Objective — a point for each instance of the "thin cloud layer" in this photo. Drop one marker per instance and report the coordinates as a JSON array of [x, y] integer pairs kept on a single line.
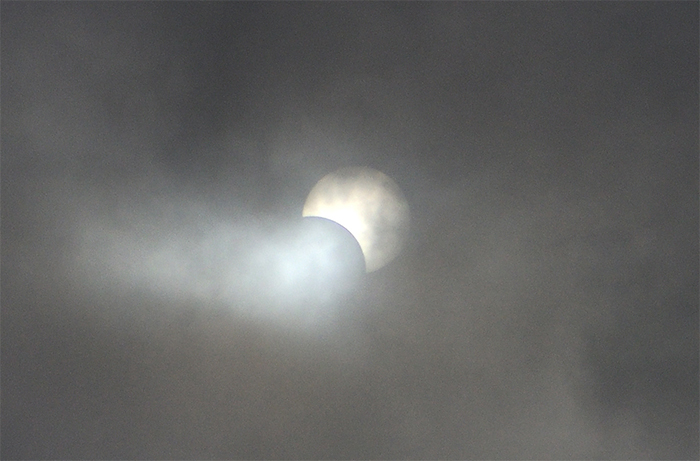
[[162, 297]]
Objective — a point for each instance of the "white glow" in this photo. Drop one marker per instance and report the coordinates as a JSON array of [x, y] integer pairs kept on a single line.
[[293, 275]]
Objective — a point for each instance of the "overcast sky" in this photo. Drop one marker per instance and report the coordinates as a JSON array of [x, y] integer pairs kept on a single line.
[[155, 162]]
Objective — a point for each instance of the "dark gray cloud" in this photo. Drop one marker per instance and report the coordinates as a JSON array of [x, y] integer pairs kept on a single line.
[[155, 161]]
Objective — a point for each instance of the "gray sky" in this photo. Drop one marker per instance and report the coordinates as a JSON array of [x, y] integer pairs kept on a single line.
[[157, 303]]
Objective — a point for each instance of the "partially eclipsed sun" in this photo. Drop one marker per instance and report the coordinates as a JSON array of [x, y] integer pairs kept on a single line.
[[367, 203]]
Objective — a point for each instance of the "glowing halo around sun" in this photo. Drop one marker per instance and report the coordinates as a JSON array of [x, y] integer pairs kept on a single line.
[[367, 203]]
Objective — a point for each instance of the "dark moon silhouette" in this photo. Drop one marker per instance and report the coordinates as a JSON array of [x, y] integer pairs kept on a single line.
[[335, 253]]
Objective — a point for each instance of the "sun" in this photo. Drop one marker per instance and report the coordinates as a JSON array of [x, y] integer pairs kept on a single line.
[[367, 203]]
